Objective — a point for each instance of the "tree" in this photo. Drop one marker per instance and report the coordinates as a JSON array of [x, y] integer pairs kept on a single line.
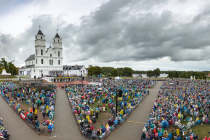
[[94, 71], [107, 71], [157, 72], [127, 71], [12, 69], [9, 67], [150, 73], [114, 73]]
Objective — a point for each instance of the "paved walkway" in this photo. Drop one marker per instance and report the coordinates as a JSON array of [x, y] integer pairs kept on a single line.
[[18, 129], [131, 129], [65, 125]]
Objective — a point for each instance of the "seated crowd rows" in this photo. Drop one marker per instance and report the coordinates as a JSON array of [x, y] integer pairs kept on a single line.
[[33, 105], [180, 106], [89, 101]]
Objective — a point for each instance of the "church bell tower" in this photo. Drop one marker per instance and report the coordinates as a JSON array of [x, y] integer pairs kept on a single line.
[[40, 48]]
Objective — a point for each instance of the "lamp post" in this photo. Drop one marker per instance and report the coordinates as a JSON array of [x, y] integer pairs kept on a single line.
[[116, 97], [118, 94], [82, 78]]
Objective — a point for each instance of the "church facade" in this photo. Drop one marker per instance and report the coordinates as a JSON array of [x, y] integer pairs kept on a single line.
[[45, 60]]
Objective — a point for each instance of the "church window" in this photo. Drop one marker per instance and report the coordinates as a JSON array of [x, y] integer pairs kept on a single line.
[[41, 52], [50, 55], [59, 54], [36, 61], [51, 62], [59, 62], [42, 61]]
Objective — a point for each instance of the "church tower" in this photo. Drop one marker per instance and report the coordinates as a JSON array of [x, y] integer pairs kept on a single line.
[[40, 48], [58, 50]]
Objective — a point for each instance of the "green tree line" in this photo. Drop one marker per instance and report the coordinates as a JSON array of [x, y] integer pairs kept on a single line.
[[126, 71], [109, 71], [187, 74], [8, 66]]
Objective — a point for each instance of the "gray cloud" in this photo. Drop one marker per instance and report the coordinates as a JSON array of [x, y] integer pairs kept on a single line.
[[132, 32], [121, 30]]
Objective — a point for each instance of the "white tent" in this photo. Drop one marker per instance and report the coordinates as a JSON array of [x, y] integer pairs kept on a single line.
[[5, 73], [117, 78]]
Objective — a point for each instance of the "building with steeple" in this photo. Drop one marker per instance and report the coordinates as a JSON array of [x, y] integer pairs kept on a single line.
[[45, 61]]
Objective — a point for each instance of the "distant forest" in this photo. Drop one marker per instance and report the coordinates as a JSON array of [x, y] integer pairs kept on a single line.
[[128, 72]]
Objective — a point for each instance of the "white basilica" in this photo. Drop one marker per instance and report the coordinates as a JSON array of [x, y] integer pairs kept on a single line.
[[45, 60]]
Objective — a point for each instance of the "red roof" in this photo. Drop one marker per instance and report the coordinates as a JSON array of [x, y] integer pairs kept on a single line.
[[79, 83], [72, 83]]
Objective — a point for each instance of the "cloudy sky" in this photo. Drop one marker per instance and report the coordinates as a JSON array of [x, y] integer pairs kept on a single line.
[[142, 34]]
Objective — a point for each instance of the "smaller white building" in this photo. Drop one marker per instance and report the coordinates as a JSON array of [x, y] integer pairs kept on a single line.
[[163, 75], [144, 76], [135, 75], [76, 70]]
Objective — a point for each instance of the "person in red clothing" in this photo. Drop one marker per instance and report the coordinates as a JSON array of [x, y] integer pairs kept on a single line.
[[205, 138], [91, 127], [155, 130], [23, 115]]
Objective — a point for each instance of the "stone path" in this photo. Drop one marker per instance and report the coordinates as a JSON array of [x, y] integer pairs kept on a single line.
[[66, 127], [131, 129], [18, 129]]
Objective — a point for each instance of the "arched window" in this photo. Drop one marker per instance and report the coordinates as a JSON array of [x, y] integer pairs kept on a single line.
[[50, 55], [41, 52], [59, 54], [59, 62], [42, 61]]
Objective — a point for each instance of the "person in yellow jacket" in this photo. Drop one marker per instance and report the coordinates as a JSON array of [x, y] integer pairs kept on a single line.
[[35, 111], [121, 112], [177, 132], [88, 117]]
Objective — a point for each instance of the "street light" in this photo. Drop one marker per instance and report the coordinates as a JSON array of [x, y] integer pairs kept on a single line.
[[118, 94], [82, 78]]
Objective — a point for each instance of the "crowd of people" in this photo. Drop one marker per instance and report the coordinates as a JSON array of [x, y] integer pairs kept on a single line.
[[181, 105], [3, 131], [88, 101], [36, 106]]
